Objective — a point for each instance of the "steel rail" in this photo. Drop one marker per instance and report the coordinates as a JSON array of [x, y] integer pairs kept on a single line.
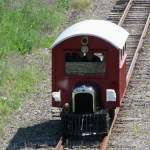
[[59, 146], [129, 73], [125, 13], [104, 143]]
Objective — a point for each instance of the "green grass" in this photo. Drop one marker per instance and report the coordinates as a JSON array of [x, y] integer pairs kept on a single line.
[[136, 129], [80, 4], [28, 24], [16, 85], [25, 25]]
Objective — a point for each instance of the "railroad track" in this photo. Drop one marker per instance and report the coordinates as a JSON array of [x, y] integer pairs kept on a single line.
[[134, 16], [133, 121]]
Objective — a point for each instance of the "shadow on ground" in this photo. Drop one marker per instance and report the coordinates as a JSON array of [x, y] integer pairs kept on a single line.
[[41, 135], [46, 135]]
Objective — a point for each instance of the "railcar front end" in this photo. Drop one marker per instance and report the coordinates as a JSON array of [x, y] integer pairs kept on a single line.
[[86, 76]]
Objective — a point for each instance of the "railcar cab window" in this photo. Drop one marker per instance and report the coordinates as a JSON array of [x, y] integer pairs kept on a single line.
[[78, 64], [122, 52]]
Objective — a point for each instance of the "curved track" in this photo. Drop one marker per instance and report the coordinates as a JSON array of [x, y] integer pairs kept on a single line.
[[134, 16]]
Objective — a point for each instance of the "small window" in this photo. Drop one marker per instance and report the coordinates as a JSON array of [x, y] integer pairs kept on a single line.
[[121, 54], [77, 64]]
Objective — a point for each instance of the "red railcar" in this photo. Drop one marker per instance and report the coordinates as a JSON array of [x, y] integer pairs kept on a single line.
[[89, 75]]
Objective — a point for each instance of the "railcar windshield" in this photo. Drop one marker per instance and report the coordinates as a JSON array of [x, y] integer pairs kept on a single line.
[[77, 64]]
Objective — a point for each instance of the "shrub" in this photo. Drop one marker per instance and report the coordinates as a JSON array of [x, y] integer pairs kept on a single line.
[[26, 24], [80, 4]]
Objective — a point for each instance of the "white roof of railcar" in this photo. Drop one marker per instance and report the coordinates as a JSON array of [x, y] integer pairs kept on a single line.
[[105, 30]]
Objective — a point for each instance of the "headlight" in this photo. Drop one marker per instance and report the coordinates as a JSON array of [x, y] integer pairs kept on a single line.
[[57, 96], [110, 95]]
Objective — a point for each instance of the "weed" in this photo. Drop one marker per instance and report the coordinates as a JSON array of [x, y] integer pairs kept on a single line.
[[136, 129], [15, 86], [24, 25], [80, 4], [27, 24]]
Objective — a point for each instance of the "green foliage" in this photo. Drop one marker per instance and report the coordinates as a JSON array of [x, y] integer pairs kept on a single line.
[[4, 107], [62, 4], [15, 86], [80, 4], [136, 129], [26, 24]]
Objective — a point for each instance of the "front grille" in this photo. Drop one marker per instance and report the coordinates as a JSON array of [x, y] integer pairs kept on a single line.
[[85, 124], [83, 103]]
